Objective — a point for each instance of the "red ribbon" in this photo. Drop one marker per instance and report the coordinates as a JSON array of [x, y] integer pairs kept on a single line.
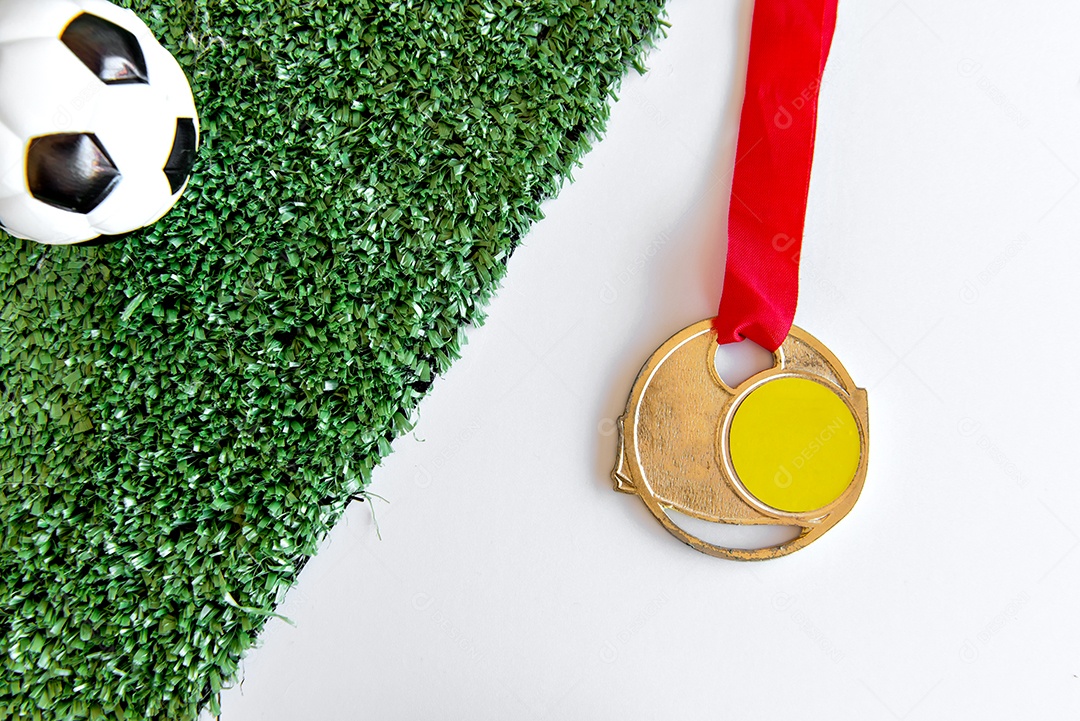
[[789, 43]]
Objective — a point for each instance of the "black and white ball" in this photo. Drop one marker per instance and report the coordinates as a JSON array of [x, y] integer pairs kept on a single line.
[[98, 129]]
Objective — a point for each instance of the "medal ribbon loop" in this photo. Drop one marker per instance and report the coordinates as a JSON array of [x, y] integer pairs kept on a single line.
[[789, 44]]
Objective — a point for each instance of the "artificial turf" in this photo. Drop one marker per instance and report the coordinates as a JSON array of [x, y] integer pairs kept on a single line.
[[188, 411]]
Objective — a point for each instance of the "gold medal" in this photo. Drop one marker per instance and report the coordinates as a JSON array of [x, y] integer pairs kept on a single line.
[[788, 446]]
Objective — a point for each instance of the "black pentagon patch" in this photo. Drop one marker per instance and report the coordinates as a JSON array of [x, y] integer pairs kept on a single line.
[[70, 171], [111, 52], [182, 157]]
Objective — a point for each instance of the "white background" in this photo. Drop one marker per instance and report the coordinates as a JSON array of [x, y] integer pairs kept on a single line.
[[940, 264]]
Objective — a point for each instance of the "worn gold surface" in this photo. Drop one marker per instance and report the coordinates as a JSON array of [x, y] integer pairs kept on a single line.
[[673, 449]]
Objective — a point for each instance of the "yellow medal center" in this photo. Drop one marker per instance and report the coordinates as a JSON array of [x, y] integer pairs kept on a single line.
[[794, 444]]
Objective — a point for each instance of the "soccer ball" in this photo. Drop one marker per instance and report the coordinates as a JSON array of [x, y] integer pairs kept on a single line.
[[98, 129]]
